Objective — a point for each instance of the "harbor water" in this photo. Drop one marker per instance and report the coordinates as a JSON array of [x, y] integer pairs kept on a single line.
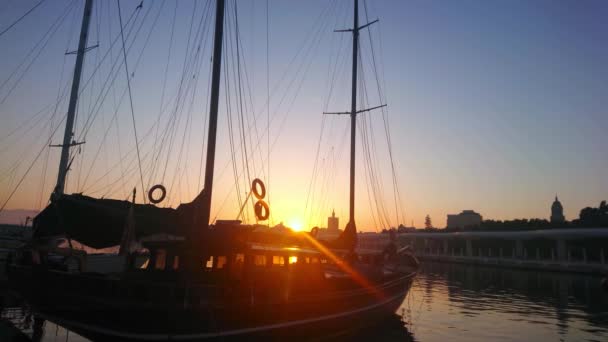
[[455, 302]]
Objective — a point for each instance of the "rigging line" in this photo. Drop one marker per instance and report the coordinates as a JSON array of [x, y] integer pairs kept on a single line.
[[59, 92], [369, 182], [314, 168], [332, 82], [249, 107], [371, 160], [195, 65], [48, 150], [370, 152], [370, 149], [396, 194], [204, 125], [268, 102], [124, 53], [319, 24], [240, 93], [54, 27], [305, 64], [227, 93], [236, 72], [319, 20], [147, 40], [164, 83], [192, 66], [31, 165], [112, 75], [120, 161], [174, 124], [111, 78], [204, 121], [26, 150], [23, 124], [104, 93], [21, 17]]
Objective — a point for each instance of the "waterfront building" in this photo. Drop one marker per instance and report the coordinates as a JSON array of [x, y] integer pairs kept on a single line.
[[467, 218], [557, 211]]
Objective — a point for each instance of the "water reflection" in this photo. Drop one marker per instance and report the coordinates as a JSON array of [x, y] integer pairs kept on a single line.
[[452, 302], [472, 303]]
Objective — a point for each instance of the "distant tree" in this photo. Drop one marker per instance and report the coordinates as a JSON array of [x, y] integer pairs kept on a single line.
[[594, 217], [427, 222]]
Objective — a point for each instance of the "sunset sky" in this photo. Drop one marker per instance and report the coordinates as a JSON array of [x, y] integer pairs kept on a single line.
[[495, 106]]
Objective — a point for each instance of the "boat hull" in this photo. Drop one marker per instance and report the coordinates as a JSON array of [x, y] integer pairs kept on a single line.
[[104, 313]]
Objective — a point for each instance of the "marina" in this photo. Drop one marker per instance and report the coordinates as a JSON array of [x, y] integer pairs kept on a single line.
[[327, 170]]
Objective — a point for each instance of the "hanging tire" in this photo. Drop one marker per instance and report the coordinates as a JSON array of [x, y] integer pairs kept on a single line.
[[262, 190], [262, 212], [163, 194]]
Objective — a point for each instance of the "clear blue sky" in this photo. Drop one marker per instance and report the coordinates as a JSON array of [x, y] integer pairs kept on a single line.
[[494, 106]]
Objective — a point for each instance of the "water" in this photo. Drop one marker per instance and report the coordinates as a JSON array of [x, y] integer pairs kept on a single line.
[[451, 302], [471, 303]]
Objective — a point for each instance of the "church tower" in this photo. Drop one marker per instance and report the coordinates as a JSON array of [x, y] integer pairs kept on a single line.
[[332, 222], [557, 212]]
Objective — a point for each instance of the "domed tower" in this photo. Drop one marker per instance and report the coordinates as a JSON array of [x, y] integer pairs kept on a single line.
[[557, 211]]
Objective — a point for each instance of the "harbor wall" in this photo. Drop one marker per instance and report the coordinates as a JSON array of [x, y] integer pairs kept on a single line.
[[583, 250]]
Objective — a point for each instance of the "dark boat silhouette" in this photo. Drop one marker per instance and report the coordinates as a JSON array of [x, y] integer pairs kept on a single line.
[[202, 280]]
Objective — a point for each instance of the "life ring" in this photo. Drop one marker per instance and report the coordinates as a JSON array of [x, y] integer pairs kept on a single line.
[[254, 188], [261, 210], [162, 195]]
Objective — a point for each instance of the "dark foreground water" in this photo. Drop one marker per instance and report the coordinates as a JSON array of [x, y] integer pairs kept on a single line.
[[451, 302]]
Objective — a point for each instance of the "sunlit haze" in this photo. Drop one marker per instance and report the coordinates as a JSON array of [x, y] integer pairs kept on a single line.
[[494, 106]]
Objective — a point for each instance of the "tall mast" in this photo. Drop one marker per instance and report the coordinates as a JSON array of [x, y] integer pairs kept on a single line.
[[350, 232], [69, 124], [213, 108], [353, 120]]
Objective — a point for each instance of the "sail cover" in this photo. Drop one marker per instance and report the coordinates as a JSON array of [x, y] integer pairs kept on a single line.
[[99, 223]]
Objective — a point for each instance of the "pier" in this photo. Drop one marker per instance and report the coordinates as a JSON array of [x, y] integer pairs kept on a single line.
[[582, 250]]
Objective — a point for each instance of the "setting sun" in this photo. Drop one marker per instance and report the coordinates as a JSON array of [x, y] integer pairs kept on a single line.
[[295, 224]]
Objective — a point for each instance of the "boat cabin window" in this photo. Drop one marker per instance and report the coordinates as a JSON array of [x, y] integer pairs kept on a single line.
[[221, 262], [278, 260], [236, 268], [259, 260], [239, 258], [176, 262], [161, 259], [293, 259], [209, 263]]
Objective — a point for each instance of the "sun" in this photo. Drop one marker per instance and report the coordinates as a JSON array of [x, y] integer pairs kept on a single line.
[[296, 224]]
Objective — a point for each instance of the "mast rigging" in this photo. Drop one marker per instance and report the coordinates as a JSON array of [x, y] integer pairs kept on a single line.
[[64, 162], [213, 109], [350, 232]]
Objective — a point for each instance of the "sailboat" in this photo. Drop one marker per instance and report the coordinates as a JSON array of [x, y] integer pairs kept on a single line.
[[204, 280]]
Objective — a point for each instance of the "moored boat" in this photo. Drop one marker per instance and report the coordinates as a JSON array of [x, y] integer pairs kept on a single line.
[[203, 280]]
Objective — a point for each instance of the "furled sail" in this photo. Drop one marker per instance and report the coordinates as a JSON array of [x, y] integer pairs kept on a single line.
[[99, 223]]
